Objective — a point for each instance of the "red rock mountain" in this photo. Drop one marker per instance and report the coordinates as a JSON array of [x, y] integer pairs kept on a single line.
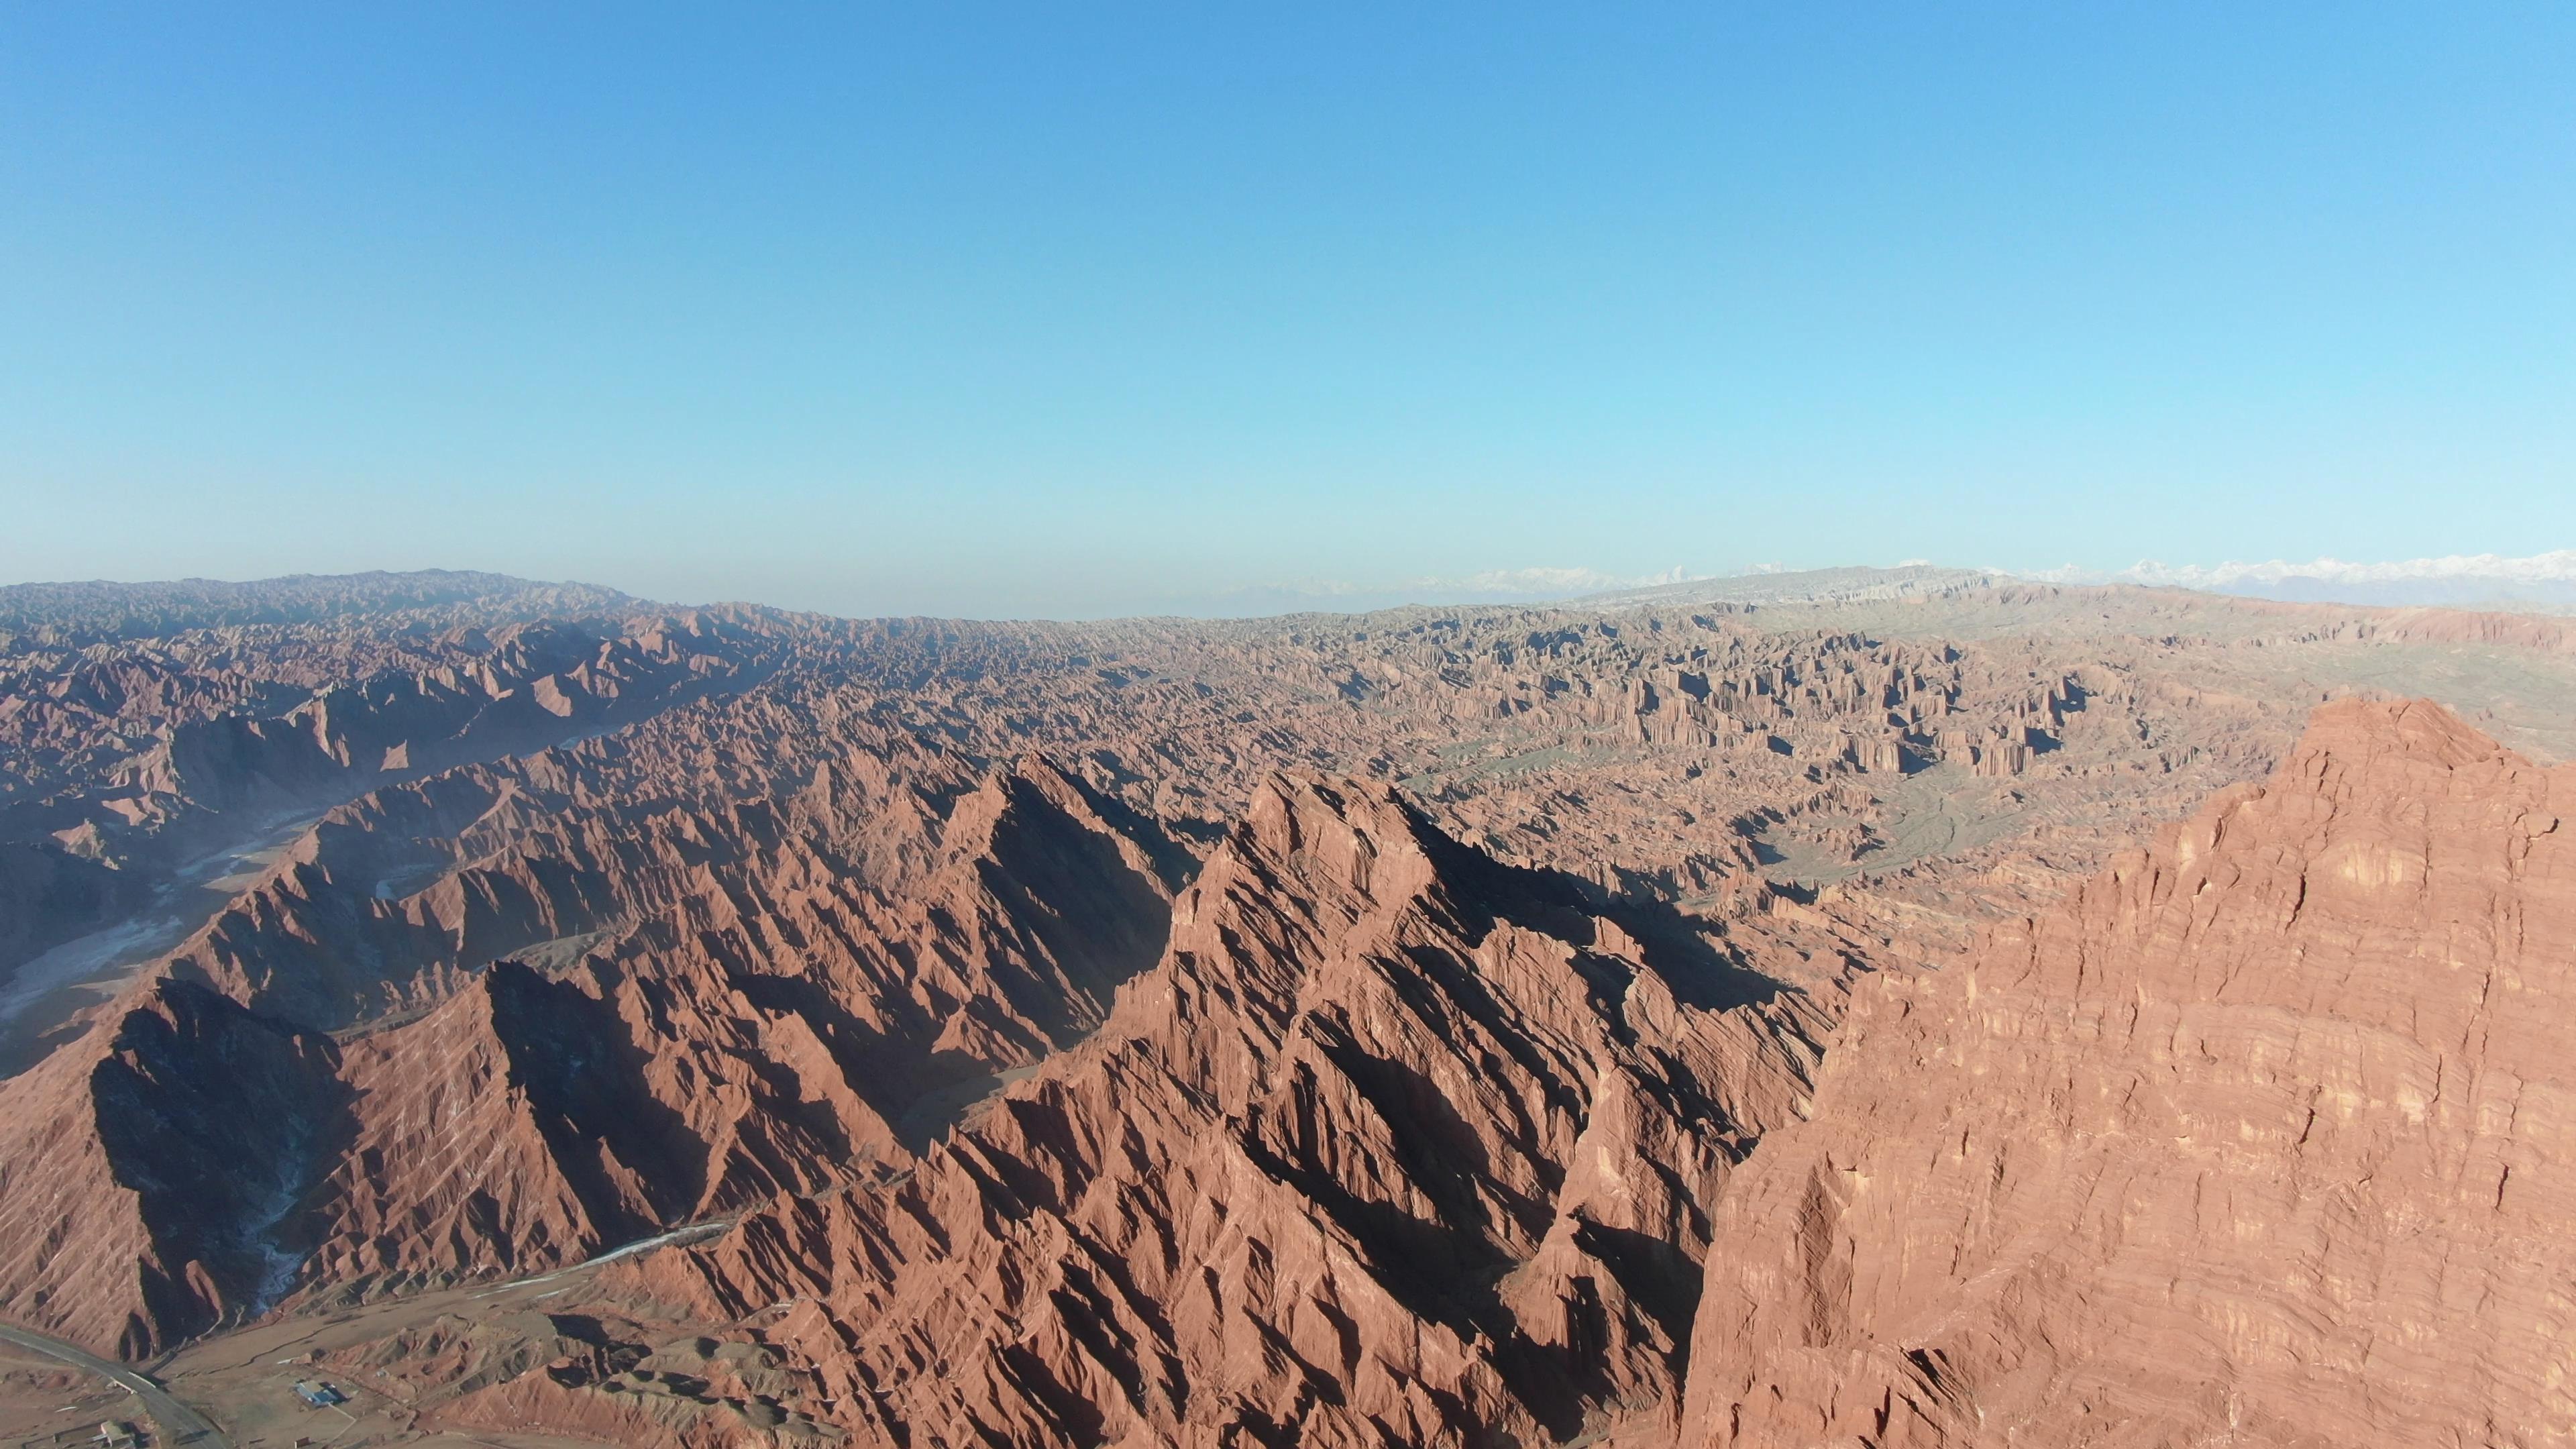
[[1423, 1027], [147, 1171], [1397, 1144], [763, 1017], [765, 1035], [2266, 1137]]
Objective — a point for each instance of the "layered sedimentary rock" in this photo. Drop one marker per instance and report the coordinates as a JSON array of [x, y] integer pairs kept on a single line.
[[147, 1172], [766, 1016], [751, 808], [1663, 746], [124, 769], [2267, 1136], [778, 1034], [628, 917], [1397, 1144]]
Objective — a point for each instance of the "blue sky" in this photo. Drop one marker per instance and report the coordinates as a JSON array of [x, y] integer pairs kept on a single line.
[[1087, 309]]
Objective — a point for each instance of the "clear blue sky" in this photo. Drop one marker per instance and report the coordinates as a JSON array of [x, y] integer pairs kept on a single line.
[[1070, 309]]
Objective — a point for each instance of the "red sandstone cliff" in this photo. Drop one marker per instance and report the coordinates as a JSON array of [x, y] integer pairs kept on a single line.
[[2267, 1136]]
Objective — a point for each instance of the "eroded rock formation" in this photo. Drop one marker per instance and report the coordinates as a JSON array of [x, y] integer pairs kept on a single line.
[[764, 1017], [1348, 1030], [2266, 1136], [1396, 1143], [146, 1173]]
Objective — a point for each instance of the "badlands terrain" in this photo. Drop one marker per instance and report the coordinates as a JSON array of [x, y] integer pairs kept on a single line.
[[1875, 1007]]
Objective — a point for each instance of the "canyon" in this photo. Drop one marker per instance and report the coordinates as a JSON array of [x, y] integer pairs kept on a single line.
[[1898, 1007]]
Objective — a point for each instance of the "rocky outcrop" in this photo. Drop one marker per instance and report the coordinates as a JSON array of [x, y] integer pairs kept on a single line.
[[1397, 1144], [2267, 1136]]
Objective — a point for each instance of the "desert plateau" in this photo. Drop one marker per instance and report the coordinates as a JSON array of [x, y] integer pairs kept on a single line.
[[1912, 1007]]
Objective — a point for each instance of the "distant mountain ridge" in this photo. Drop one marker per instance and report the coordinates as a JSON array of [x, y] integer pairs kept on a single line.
[[98, 611], [82, 613]]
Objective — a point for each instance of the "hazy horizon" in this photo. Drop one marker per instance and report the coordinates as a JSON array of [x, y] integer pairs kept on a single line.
[[2543, 583]]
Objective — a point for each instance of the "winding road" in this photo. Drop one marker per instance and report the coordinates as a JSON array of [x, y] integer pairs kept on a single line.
[[178, 1424], [692, 1233]]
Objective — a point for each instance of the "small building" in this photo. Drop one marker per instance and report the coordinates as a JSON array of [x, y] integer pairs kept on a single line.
[[115, 1435], [317, 1394]]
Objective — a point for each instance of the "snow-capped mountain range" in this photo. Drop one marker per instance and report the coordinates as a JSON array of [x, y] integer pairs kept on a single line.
[[2546, 580]]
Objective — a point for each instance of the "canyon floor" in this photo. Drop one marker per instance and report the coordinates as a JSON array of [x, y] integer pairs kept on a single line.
[[1890, 1007]]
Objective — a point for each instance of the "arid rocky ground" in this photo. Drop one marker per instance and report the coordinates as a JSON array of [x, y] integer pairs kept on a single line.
[[1881, 1007]]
